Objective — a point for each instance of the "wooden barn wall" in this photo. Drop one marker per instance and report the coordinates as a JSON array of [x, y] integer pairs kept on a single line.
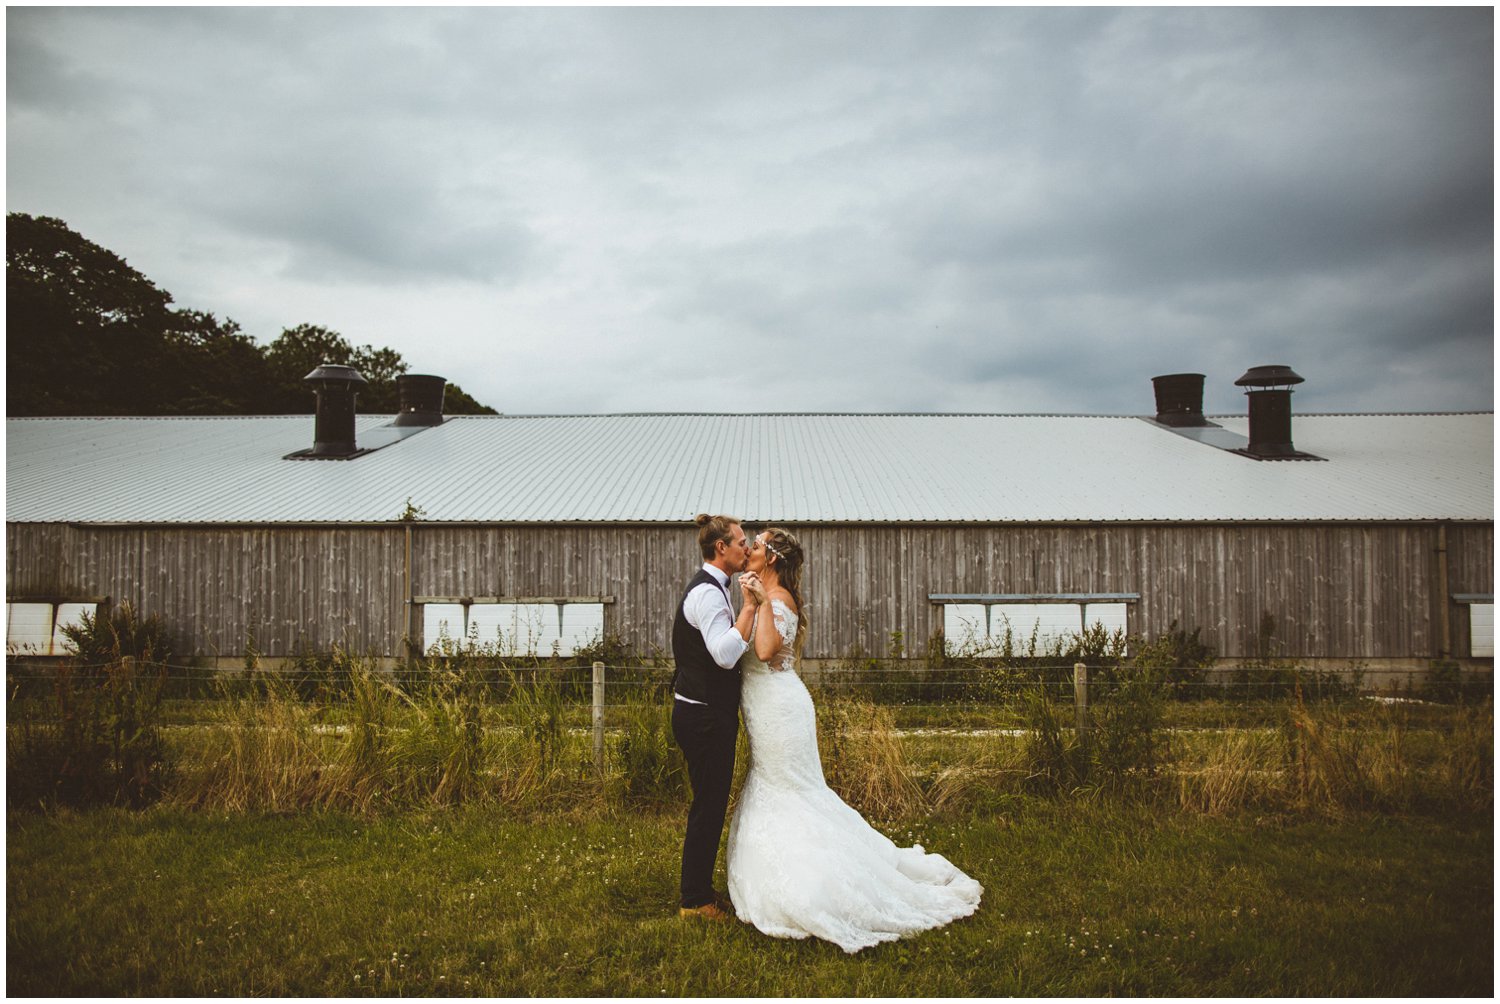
[[1332, 590], [216, 587], [1471, 569]]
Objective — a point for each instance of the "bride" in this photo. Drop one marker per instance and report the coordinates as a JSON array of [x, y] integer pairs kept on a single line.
[[801, 861]]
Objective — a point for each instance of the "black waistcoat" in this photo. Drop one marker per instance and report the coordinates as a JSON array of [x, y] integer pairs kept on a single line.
[[698, 677]]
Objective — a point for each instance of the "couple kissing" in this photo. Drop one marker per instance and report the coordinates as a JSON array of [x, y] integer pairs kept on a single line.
[[801, 862]]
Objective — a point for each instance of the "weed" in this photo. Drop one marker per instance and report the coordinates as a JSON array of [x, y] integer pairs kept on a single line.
[[102, 743], [863, 760]]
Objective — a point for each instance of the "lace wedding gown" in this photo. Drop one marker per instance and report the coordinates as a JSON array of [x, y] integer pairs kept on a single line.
[[803, 862]]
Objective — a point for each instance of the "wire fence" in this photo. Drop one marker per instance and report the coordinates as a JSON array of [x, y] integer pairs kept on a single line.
[[966, 690]]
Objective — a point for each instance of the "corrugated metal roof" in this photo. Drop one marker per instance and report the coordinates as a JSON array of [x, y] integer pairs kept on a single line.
[[793, 468]]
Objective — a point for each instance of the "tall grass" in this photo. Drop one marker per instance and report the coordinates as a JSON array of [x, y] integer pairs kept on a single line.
[[1325, 760], [464, 730], [863, 760], [437, 742]]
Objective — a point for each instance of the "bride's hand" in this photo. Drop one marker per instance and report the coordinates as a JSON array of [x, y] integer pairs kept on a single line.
[[750, 585]]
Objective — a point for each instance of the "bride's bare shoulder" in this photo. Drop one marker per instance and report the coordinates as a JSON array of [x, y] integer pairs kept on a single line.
[[784, 597]]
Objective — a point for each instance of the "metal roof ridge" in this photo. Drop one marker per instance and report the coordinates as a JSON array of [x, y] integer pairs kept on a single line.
[[802, 414], [938, 414], [170, 418], [1386, 414], [744, 414]]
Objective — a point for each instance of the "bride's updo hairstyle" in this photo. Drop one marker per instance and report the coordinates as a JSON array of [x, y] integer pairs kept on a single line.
[[711, 530], [784, 552]]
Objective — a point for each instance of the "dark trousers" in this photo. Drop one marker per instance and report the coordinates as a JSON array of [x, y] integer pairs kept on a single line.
[[706, 736]]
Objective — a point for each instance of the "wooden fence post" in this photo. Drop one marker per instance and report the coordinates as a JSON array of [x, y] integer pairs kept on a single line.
[[599, 717], [1081, 695]]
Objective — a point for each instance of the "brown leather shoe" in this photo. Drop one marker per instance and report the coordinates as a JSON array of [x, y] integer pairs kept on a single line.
[[708, 911]]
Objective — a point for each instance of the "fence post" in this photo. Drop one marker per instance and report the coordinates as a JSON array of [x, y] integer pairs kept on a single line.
[[1081, 695], [599, 717]]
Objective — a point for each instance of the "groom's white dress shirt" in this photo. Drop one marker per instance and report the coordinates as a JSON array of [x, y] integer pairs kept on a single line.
[[708, 609]]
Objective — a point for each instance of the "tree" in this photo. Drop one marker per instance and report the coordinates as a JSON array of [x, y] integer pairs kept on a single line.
[[216, 369], [47, 262], [89, 335], [80, 322], [300, 350]]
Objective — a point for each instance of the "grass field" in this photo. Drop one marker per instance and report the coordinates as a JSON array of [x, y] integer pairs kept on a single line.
[[1082, 897]]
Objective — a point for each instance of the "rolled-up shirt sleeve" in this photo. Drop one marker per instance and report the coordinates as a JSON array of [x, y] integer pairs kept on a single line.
[[707, 609]]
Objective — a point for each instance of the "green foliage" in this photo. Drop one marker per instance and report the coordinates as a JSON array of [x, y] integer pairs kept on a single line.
[[119, 632], [1267, 676], [1011, 665], [411, 513], [89, 335], [469, 725], [1177, 659], [1127, 738], [1057, 761], [100, 741], [1450, 683], [652, 770]]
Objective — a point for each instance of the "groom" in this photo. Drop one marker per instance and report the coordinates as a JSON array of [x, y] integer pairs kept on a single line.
[[707, 642]]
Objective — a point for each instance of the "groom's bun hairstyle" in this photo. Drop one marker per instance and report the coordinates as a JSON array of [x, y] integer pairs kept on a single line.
[[711, 530]]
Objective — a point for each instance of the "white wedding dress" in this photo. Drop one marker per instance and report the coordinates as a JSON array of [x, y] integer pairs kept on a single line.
[[801, 861]]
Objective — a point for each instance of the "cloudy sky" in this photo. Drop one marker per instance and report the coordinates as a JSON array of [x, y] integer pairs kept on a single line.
[[997, 210]]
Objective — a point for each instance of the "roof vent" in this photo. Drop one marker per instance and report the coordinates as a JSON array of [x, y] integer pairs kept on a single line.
[[333, 426], [421, 399], [1179, 399], [1269, 389]]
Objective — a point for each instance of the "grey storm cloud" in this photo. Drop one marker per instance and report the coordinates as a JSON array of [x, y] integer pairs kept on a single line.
[[890, 209]]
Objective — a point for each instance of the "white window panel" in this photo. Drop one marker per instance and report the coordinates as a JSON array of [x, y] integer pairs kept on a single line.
[[69, 615], [442, 620], [538, 628], [28, 629], [1050, 621], [515, 628], [582, 624], [1111, 615], [1482, 630], [492, 624], [965, 626]]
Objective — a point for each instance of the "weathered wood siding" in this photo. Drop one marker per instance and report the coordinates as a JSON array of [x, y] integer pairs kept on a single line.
[[1471, 569], [1357, 591], [288, 588]]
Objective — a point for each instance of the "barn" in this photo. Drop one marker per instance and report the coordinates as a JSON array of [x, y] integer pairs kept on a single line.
[[1362, 537]]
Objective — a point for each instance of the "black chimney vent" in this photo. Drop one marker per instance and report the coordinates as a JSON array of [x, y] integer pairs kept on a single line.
[[333, 427], [421, 399], [1279, 375], [1179, 399], [1269, 389]]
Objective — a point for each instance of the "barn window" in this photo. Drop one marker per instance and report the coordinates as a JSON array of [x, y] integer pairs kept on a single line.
[[1481, 623], [978, 623], [37, 628], [1482, 630], [514, 627]]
